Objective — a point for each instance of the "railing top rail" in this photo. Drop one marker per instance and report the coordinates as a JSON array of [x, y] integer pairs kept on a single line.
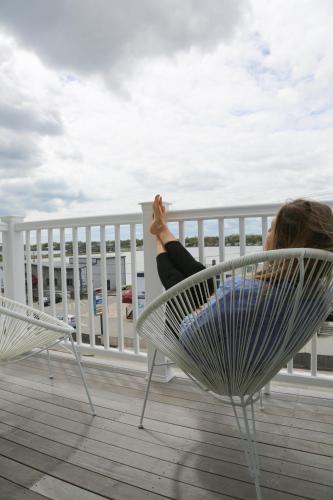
[[96, 220], [226, 212], [262, 210], [230, 212]]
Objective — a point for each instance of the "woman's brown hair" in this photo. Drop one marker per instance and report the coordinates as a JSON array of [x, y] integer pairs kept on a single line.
[[301, 224], [304, 224]]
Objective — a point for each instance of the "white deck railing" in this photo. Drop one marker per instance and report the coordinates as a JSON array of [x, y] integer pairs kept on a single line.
[[18, 260]]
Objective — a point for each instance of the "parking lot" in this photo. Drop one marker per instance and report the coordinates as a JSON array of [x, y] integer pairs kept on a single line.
[[128, 325]]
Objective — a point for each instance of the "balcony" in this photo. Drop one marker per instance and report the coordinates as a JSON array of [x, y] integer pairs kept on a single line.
[[52, 447], [57, 265]]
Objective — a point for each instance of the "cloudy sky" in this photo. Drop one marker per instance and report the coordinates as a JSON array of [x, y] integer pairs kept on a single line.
[[103, 103]]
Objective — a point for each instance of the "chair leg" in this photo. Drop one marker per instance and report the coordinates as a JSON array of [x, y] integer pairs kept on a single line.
[[248, 435], [268, 388], [261, 400], [147, 389], [51, 376], [93, 411]]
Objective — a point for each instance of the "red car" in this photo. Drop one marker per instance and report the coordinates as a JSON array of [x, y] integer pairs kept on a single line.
[[127, 296]]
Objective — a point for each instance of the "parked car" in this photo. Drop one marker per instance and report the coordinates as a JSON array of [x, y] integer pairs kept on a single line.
[[47, 298], [127, 296], [71, 320], [46, 301]]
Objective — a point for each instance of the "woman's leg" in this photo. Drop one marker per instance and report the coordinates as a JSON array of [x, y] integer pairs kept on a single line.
[[179, 256], [182, 258], [168, 273], [174, 262], [170, 276]]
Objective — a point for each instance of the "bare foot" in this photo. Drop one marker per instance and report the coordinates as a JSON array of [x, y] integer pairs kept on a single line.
[[159, 221]]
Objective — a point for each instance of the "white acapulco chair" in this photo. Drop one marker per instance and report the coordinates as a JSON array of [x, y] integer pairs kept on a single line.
[[233, 326], [25, 331]]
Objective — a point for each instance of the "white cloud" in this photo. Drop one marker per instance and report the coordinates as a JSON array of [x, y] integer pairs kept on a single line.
[[109, 37], [27, 113], [214, 116], [43, 195], [18, 155]]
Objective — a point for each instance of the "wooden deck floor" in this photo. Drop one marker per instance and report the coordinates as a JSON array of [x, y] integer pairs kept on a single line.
[[51, 447]]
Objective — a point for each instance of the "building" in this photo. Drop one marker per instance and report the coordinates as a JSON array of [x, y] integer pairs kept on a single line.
[[96, 274], [57, 278], [110, 270]]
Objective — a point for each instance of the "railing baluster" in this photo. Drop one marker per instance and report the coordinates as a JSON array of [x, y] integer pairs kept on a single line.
[[136, 339], [40, 271], [28, 268], [77, 286], [63, 274], [181, 232], [290, 366], [264, 228], [242, 236], [90, 290], [118, 290], [51, 271], [221, 240], [104, 286], [201, 241], [314, 347]]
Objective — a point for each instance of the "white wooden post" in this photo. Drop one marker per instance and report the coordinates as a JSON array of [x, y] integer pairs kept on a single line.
[[13, 256], [153, 289]]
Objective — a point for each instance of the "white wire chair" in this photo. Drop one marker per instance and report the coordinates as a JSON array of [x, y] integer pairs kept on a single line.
[[233, 326], [25, 331]]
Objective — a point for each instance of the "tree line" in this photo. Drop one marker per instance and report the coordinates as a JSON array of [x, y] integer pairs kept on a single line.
[[230, 240], [125, 245]]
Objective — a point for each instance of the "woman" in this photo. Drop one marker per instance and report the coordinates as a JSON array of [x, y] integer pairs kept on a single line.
[[298, 224]]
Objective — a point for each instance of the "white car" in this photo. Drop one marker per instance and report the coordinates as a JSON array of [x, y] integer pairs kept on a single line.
[[71, 320]]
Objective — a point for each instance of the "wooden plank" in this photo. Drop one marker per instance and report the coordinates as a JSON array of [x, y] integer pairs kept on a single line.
[[61, 490], [120, 431], [16, 472], [190, 397], [60, 470], [267, 432], [187, 390], [146, 480], [130, 460], [287, 464], [298, 411], [187, 459], [321, 431], [228, 469], [316, 408], [307, 396], [11, 491], [39, 482], [200, 430], [131, 403]]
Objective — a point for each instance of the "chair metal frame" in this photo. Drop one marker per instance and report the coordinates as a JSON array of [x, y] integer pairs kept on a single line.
[[159, 320], [26, 332]]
